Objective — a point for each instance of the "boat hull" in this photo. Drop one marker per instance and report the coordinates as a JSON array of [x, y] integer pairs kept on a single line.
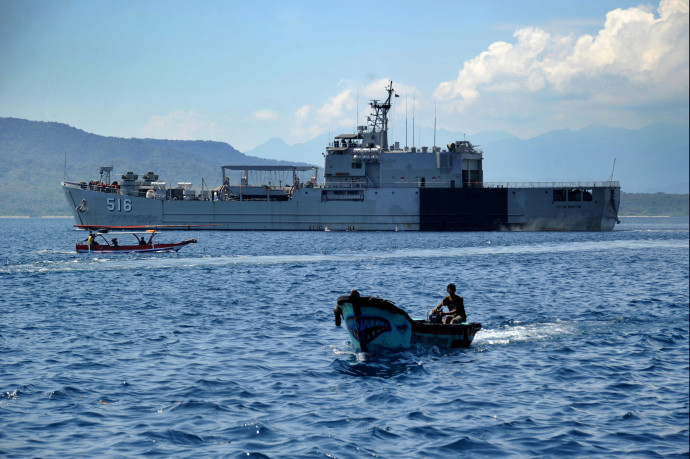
[[375, 325], [376, 209], [444, 336], [173, 247]]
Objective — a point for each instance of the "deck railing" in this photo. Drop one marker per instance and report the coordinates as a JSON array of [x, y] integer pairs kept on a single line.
[[602, 184], [440, 184], [406, 184]]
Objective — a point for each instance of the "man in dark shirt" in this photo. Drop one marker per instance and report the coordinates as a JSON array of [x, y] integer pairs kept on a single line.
[[455, 304]]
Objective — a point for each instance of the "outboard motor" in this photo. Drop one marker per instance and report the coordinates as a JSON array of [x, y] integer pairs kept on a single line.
[[433, 318]]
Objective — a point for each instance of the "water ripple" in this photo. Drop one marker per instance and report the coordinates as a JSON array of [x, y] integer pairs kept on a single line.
[[228, 349]]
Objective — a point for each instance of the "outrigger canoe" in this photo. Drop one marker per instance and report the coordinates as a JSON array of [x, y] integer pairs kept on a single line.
[[104, 242], [375, 324]]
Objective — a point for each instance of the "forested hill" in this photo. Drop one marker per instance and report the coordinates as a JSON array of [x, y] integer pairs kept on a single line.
[[654, 204], [36, 156]]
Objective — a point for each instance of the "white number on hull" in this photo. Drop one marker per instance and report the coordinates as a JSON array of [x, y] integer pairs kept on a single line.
[[119, 205]]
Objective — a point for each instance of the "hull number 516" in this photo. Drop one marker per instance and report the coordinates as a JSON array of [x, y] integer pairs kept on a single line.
[[119, 205]]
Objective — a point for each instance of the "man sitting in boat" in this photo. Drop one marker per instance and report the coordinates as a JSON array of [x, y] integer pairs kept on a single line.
[[456, 307]]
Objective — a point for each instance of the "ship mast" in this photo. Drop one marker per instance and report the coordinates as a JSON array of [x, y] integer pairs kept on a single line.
[[380, 113]]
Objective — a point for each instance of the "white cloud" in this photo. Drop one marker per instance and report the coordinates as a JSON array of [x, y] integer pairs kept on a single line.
[[336, 107], [266, 115], [338, 111], [632, 72], [637, 58], [180, 125], [341, 111], [302, 113]]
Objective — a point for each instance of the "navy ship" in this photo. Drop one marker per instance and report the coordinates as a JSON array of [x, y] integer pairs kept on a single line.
[[368, 184]]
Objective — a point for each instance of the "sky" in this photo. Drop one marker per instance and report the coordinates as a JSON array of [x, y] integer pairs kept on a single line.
[[243, 72]]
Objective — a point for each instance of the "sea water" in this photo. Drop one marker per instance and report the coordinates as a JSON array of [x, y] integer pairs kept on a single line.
[[229, 347]]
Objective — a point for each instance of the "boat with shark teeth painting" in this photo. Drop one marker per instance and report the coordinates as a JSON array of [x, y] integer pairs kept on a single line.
[[377, 325]]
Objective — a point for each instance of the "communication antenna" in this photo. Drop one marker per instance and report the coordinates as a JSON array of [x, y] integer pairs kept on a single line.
[[612, 169], [64, 171], [434, 124], [405, 121], [414, 102]]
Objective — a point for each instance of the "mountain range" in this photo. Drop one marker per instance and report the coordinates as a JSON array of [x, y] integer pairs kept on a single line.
[[652, 159], [36, 156]]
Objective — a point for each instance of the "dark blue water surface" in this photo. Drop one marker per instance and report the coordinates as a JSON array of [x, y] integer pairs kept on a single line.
[[229, 348]]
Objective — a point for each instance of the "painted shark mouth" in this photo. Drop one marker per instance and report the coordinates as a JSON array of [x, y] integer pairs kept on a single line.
[[366, 328]]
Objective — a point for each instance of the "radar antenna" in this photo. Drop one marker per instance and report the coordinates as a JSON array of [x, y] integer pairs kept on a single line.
[[380, 114]]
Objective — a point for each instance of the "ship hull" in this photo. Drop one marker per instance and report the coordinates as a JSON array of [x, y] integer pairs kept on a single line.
[[376, 209]]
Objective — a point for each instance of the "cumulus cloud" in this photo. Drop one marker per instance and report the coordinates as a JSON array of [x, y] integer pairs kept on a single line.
[[633, 71], [337, 111], [337, 107], [302, 113], [180, 125], [341, 110], [640, 56], [266, 115]]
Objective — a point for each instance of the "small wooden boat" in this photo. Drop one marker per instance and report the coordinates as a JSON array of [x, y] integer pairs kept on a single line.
[[104, 242], [375, 325]]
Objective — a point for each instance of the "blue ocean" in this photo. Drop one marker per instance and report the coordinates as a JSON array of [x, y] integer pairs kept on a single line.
[[228, 348]]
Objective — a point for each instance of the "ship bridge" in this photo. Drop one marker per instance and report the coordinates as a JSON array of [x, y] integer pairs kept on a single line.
[[366, 160], [343, 142]]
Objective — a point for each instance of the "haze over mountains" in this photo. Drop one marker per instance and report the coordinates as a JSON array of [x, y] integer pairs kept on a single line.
[[648, 160], [37, 155]]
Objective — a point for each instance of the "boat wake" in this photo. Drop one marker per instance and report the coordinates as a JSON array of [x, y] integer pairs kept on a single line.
[[140, 261], [518, 333]]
